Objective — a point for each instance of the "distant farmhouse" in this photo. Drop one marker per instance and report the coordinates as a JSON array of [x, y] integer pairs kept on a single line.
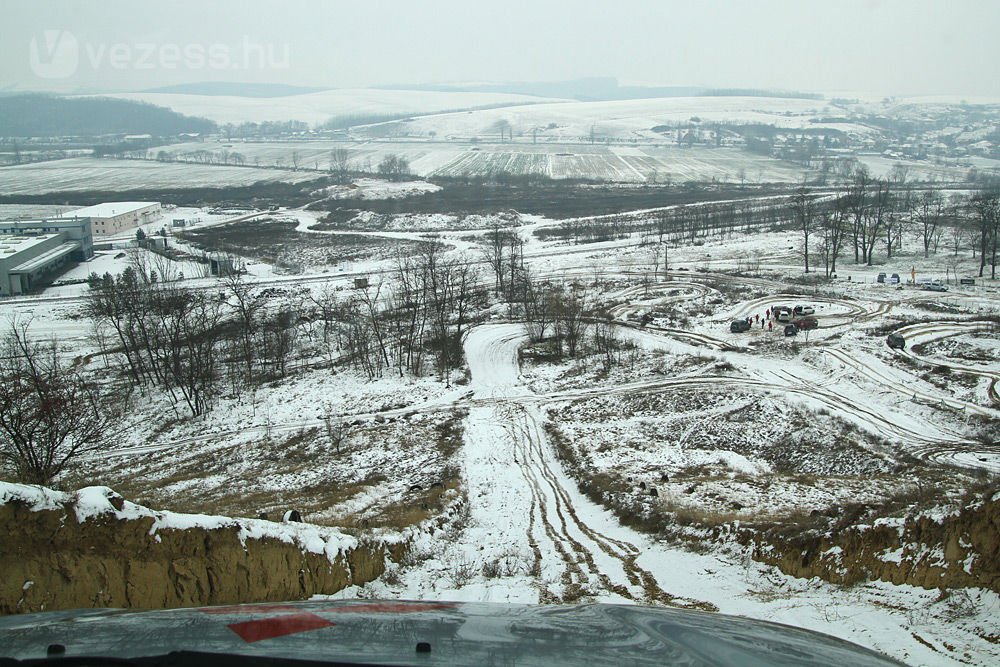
[[32, 252], [113, 217]]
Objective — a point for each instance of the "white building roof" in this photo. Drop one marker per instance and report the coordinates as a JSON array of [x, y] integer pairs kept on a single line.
[[11, 245], [110, 209], [36, 263]]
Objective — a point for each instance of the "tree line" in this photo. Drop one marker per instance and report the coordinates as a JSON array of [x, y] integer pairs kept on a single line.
[[874, 216], [685, 223]]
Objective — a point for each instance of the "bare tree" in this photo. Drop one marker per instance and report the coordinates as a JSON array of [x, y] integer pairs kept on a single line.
[[803, 208], [539, 307], [875, 217], [336, 430], [857, 200], [833, 225], [570, 323], [504, 254], [50, 414], [340, 163], [394, 167], [987, 208], [607, 343], [247, 305], [928, 214], [325, 307]]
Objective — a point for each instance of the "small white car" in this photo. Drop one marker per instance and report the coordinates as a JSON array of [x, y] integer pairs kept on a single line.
[[804, 310]]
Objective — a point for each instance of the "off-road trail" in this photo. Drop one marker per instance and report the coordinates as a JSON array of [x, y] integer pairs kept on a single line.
[[576, 548], [526, 512]]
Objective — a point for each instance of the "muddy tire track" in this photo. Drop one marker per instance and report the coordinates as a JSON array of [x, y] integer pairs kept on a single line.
[[537, 458]]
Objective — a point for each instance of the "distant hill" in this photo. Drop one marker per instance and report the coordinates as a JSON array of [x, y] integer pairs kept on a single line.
[[235, 89], [604, 89], [41, 115], [594, 89]]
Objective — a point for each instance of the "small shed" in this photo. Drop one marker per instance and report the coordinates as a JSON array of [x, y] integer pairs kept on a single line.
[[222, 266]]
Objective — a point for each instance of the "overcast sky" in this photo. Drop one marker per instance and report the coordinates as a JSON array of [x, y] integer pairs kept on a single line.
[[890, 47]]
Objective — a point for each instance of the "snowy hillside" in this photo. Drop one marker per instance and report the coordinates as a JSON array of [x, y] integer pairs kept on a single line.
[[316, 108], [632, 118]]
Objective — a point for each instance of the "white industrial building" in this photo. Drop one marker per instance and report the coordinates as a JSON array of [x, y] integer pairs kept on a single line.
[[32, 252], [111, 218]]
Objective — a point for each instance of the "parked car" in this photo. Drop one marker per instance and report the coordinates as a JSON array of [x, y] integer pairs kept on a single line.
[[881, 278], [739, 326], [894, 279], [934, 287], [791, 330], [807, 323], [803, 310], [784, 315], [895, 341]]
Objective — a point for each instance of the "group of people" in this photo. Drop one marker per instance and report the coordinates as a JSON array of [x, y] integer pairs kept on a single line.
[[757, 319]]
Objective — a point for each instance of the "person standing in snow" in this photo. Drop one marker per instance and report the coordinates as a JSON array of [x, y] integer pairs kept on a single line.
[[770, 326], [767, 313]]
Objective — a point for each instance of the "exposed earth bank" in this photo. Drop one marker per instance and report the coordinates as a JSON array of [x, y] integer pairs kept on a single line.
[[944, 550], [94, 549]]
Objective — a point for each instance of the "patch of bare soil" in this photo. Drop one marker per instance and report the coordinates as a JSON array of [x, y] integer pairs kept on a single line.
[[278, 242]]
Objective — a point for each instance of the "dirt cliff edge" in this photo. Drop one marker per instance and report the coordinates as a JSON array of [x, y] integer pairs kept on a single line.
[[93, 549]]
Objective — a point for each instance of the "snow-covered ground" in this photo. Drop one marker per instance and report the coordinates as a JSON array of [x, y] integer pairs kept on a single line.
[[107, 174], [656, 160], [523, 531], [631, 118], [372, 188], [527, 518]]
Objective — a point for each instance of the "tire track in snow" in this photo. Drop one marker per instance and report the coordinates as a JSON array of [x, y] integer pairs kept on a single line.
[[926, 333], [590, 560], [518, 428], [899, 387], [531, 451], [624, 552], [539, 510]]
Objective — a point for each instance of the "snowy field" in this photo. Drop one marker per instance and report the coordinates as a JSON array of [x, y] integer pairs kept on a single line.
[[213, 164], [88, 174], [626, 119], [660, 163], [689, 405], [654, 162], [926, 170]]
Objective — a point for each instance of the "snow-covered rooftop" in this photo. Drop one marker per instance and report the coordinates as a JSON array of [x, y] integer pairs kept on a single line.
[[10, 245], [110, 209]]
